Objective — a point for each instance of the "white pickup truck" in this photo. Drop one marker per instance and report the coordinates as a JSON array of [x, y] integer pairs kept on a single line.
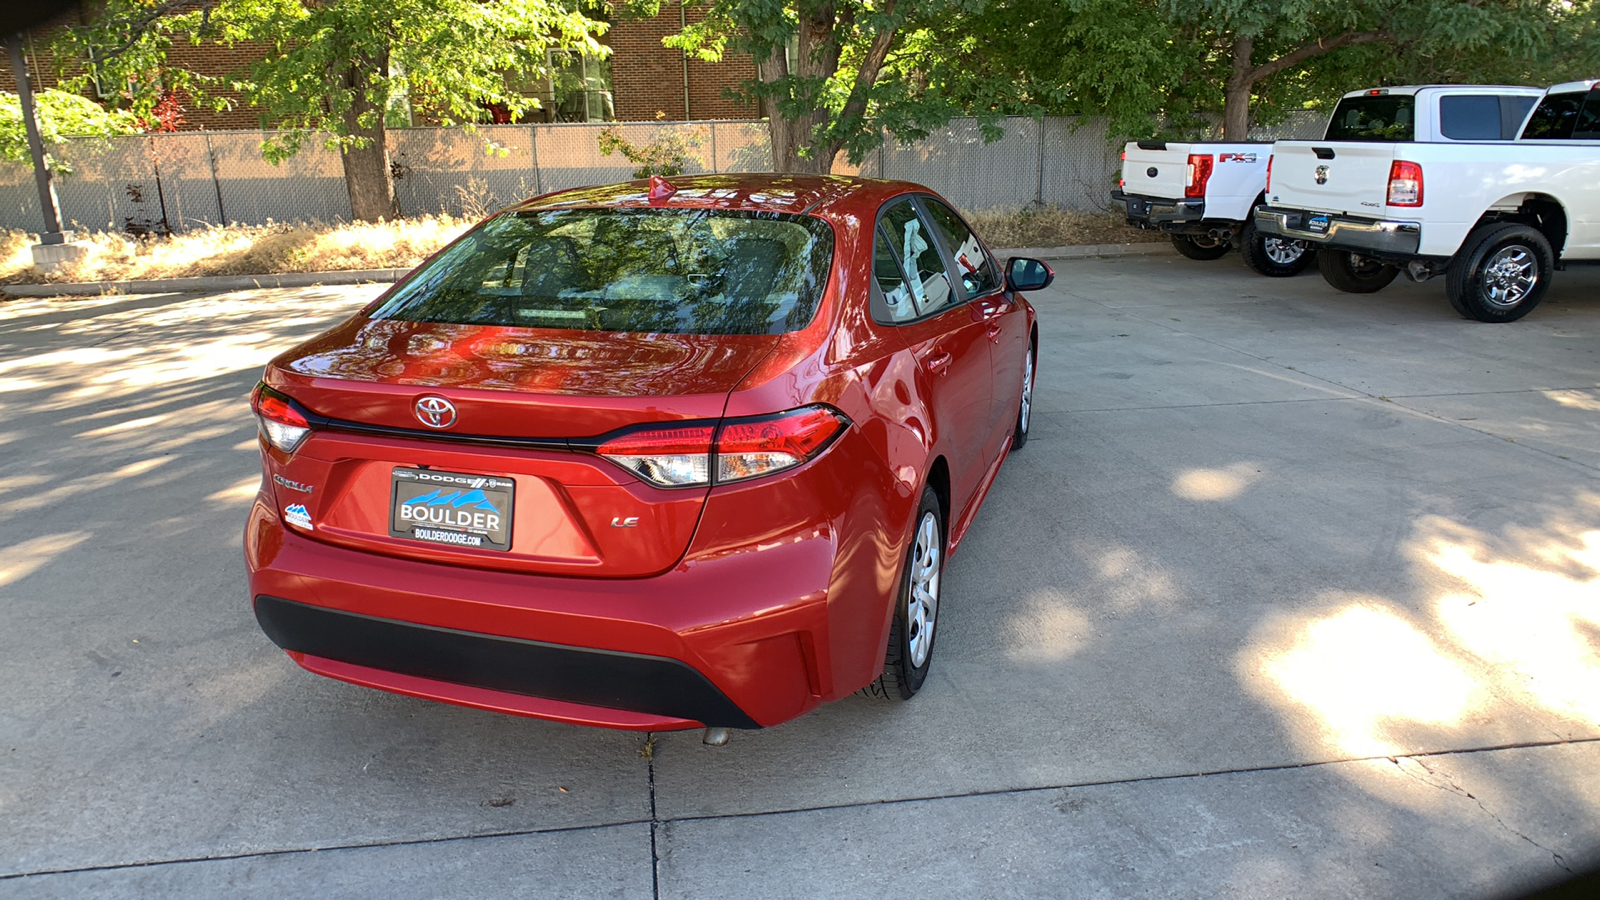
[[1203, 194], [1496, 219]]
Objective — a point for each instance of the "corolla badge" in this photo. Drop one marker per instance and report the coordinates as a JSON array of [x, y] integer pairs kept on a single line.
[[435, 412], [1322, 174]]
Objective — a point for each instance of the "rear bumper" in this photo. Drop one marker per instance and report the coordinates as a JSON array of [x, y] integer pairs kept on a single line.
[[1378, 238], [1161, 213], [739, 641], [656, 686]]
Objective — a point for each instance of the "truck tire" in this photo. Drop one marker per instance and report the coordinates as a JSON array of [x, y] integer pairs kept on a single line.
[[1501, 273], [1196, 247], [1354, 273], [1273, 256]]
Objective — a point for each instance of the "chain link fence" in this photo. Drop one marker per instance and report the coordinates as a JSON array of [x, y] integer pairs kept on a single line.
[[156, 183]]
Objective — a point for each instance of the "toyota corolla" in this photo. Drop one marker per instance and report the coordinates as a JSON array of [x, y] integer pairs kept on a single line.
[[649, 456]]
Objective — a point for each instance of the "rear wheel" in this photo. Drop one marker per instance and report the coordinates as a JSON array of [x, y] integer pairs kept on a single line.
[[1019, 436], [1197, 247], [910, 651], [1501, 274], [1273, 256], [1354, 273]]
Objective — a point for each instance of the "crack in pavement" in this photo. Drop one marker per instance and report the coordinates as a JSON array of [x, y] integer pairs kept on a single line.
[[1442, 780], [655, 820]]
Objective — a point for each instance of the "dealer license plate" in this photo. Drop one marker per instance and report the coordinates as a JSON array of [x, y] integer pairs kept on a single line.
[[452, 508], [1317, 224]]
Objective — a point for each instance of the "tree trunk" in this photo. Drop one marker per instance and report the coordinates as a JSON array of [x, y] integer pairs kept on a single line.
[[1236, 96], [366, 168], [794, 140]]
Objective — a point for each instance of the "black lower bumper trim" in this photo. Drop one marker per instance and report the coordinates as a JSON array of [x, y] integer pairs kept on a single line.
[[629, 681]]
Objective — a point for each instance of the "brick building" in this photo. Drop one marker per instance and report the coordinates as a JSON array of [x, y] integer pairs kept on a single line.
[[641, 81]]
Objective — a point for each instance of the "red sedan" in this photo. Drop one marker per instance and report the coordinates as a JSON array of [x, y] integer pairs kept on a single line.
[[648, 456]]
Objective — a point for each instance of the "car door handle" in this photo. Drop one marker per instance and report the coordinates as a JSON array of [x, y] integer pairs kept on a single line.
[[938, 363], [994, 332]]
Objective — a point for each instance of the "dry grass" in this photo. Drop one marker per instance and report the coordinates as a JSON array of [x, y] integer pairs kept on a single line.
[[1051, 227], [274, 249], [238, 250]]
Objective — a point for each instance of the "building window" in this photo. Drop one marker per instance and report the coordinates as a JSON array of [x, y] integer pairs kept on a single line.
[[577, 88]]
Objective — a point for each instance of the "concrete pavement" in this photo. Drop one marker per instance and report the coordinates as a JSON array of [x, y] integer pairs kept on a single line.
[[1292, 593]]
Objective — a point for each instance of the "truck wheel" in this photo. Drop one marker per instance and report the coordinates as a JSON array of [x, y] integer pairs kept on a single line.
[[1354, 273], [1197, 247], [1276, 257], [1501, 273]]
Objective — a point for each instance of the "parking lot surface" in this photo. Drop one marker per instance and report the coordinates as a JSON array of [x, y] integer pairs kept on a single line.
[[1292, 593]]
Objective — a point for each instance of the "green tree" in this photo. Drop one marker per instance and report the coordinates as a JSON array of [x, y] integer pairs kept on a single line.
[[1160, 65], [60, 116], [830, 73], [336, 66]]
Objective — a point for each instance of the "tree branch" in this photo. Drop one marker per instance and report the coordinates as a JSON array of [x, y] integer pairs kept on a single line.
[[138, 28], [1321, 46], [871, 65]]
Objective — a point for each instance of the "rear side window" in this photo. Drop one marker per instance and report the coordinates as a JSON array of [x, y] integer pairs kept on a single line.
[[1382, 117], [1563, 117], [977, 270], [912, 244], [631, 270], [1470, 117]]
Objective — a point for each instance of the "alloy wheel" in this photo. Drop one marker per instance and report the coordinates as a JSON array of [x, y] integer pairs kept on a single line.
[[1509, 276], [923, 604]]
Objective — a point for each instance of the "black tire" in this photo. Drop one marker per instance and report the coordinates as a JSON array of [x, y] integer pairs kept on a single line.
[[1019, 434], [1354, 273], [1274, 256], [1501, 273], [902, 674], [1201, 248]]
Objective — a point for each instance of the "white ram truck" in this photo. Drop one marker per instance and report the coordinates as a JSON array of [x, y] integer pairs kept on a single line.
[[1495, 219], [1203, 193]]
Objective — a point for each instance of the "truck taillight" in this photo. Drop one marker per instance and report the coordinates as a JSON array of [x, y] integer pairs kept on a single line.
[[1405, 183], [281, 424], [1199, 174], [692, 453], [1269, 174]]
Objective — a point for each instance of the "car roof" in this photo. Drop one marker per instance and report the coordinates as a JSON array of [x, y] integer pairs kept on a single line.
[[795, 194]]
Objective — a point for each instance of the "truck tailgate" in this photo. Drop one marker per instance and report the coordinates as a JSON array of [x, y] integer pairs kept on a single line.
[[1150, 172], [1344, 177]]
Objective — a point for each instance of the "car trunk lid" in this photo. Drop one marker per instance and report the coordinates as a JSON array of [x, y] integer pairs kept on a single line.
[[527, 404]]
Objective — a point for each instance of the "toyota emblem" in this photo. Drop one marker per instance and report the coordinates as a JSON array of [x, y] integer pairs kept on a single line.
[[435, 412]]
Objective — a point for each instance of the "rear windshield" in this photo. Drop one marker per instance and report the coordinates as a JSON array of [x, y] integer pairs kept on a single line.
[[1385, 117], [639, 270]]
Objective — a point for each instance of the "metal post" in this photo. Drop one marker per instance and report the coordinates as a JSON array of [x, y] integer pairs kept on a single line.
[[222, 217], [1039, 197], [48, 204], [714, 168], [533, 150]]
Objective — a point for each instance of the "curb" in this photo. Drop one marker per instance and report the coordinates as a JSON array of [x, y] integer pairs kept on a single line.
[[206, 283], [385, 276]]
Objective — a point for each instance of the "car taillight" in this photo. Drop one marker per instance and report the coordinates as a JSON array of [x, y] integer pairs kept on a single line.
[[280, 423], [1405, 183], [669, 455], [1123, 182], [750, 448], [1199, 173], [693, 453]]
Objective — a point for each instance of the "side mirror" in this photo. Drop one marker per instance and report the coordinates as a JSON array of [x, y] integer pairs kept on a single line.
[[1023, 274]]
